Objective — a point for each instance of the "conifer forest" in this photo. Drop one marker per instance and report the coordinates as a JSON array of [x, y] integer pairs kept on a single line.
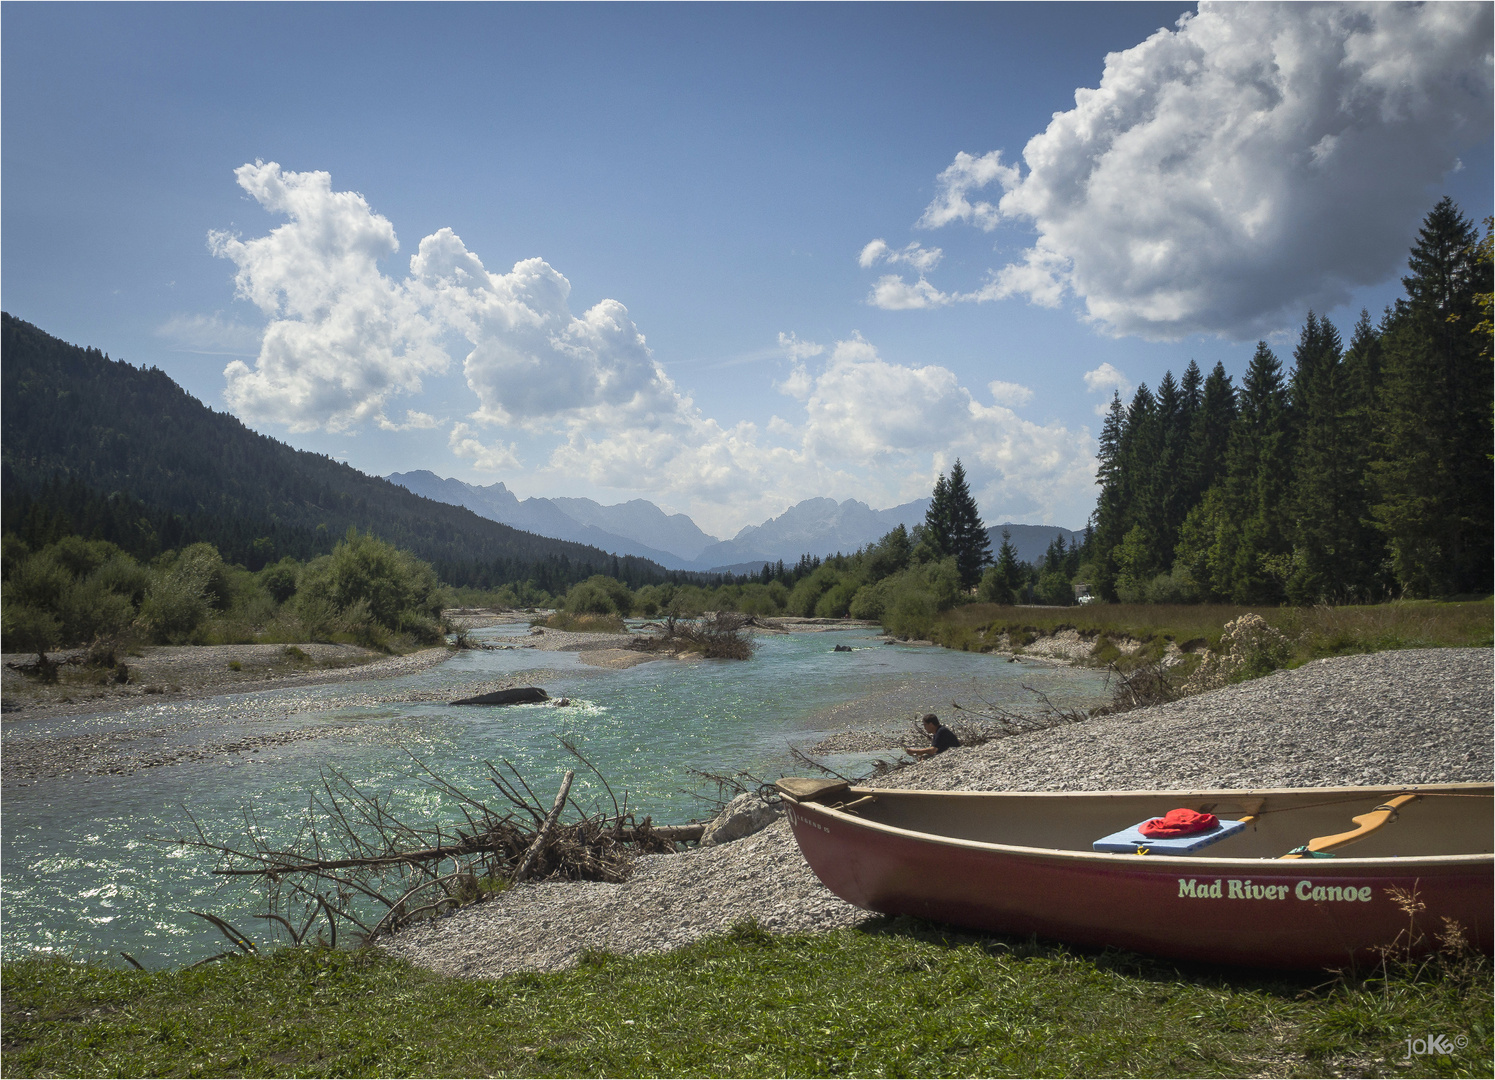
[[1353, 471]]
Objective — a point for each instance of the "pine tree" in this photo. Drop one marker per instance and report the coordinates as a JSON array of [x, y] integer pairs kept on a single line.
[[1141, 449], [1326, 472], [1432, 477], [1106, 520], [1253, 548], [967, 537], [1000, 583], [938, 519]]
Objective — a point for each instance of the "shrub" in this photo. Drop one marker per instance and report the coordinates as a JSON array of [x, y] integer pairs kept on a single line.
[[599, 595], [1054, 588], [836, 601], [1178, 587], [372, 589]]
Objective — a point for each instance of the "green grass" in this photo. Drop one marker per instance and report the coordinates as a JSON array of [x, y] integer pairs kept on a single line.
[[895, 998], [1313, 632]]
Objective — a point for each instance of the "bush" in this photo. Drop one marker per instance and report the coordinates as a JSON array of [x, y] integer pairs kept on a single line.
[[174, 606], [1178, 587], [871, 601], [836, 601], [279, 579], [599, 595], [372, 589], [1054, 589]]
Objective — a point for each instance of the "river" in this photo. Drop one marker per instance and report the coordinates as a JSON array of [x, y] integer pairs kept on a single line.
[[83, 871]]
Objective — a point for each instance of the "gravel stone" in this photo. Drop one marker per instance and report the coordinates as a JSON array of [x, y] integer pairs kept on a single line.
[[1418, 716]]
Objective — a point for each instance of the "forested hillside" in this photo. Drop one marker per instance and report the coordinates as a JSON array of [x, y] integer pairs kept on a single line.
[[1363, 473], [121, 453]]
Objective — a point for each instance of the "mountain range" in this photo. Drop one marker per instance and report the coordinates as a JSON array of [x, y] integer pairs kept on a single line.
[[819, 526]]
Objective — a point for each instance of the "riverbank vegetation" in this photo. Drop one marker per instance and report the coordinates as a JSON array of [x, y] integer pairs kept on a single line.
[[1306, 633], [75, 592], [893, 998]]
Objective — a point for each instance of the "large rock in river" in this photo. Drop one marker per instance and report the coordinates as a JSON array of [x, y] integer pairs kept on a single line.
[[519, 695], [743, 816]]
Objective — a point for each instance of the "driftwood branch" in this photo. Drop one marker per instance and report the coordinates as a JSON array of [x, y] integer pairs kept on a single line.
[[528, 862], [357, 860]]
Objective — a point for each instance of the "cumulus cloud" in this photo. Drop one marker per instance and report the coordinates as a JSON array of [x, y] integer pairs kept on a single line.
[[797, 350], [414, 421], [464, 443], [1258, 159], [343, 338], [533, 361], [953, 188], [1009, 393], [892, 293], [871, 429], [1107, 378], [918, 256]]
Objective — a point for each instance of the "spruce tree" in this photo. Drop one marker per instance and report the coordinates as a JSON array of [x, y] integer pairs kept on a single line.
[[1000, 583], [1326, 472], [1106, 530], [967, 537], [1252, 535], [938, 520], [1432, 477], [1141, 449]]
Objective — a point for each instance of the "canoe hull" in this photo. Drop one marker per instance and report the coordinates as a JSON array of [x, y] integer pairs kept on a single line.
[[1259, 912]]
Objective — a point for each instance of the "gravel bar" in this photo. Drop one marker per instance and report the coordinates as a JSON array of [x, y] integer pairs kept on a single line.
[[1418, 716]]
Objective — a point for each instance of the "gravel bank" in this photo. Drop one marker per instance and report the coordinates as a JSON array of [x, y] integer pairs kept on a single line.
[[1404, 717], [187, 672]]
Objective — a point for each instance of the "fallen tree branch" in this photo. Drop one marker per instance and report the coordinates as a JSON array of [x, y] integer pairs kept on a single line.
[[528, 862]]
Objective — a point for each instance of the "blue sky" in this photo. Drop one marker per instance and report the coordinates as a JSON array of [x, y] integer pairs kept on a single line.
[[721, 257]]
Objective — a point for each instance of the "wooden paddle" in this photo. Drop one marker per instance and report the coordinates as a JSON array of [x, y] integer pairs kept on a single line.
[[1366, 824]]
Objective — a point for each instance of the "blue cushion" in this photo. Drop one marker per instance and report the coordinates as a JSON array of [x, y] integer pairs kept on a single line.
[[1127, 841]]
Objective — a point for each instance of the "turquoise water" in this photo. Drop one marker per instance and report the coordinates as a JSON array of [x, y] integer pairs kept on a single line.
[[81, 874]]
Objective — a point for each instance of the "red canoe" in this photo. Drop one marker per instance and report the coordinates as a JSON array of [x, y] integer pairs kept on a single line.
[[1023, 863]]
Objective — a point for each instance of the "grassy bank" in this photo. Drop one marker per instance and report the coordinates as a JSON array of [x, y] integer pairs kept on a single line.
[[1311, 632], [896, 998]]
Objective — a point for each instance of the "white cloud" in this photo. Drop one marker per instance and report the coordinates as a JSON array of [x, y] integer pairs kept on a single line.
[[343, 338], [1009, 393], [918, 256], [1104, 378], [798, 350], [465, 444], [961, 177], [871, 429], [533, 362], [215, 333], [874, 250], [1107, 377], [892, 293], [1257, 160], [414, 421]]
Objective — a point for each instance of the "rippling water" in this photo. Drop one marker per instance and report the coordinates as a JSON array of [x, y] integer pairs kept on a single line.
[[81, 874]]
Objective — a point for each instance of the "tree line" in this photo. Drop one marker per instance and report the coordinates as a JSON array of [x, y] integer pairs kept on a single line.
[[1362, 473]]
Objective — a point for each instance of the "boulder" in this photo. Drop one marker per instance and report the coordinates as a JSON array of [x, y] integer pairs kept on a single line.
[[743, 816], [519, 695]]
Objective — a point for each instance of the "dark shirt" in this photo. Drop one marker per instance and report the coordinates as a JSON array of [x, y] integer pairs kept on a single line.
[[944, 739]]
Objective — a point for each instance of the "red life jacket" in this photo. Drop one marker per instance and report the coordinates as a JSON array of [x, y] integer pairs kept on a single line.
[[1178, 822]]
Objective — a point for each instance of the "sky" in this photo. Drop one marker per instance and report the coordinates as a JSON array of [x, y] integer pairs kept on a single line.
[[721, 257]]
